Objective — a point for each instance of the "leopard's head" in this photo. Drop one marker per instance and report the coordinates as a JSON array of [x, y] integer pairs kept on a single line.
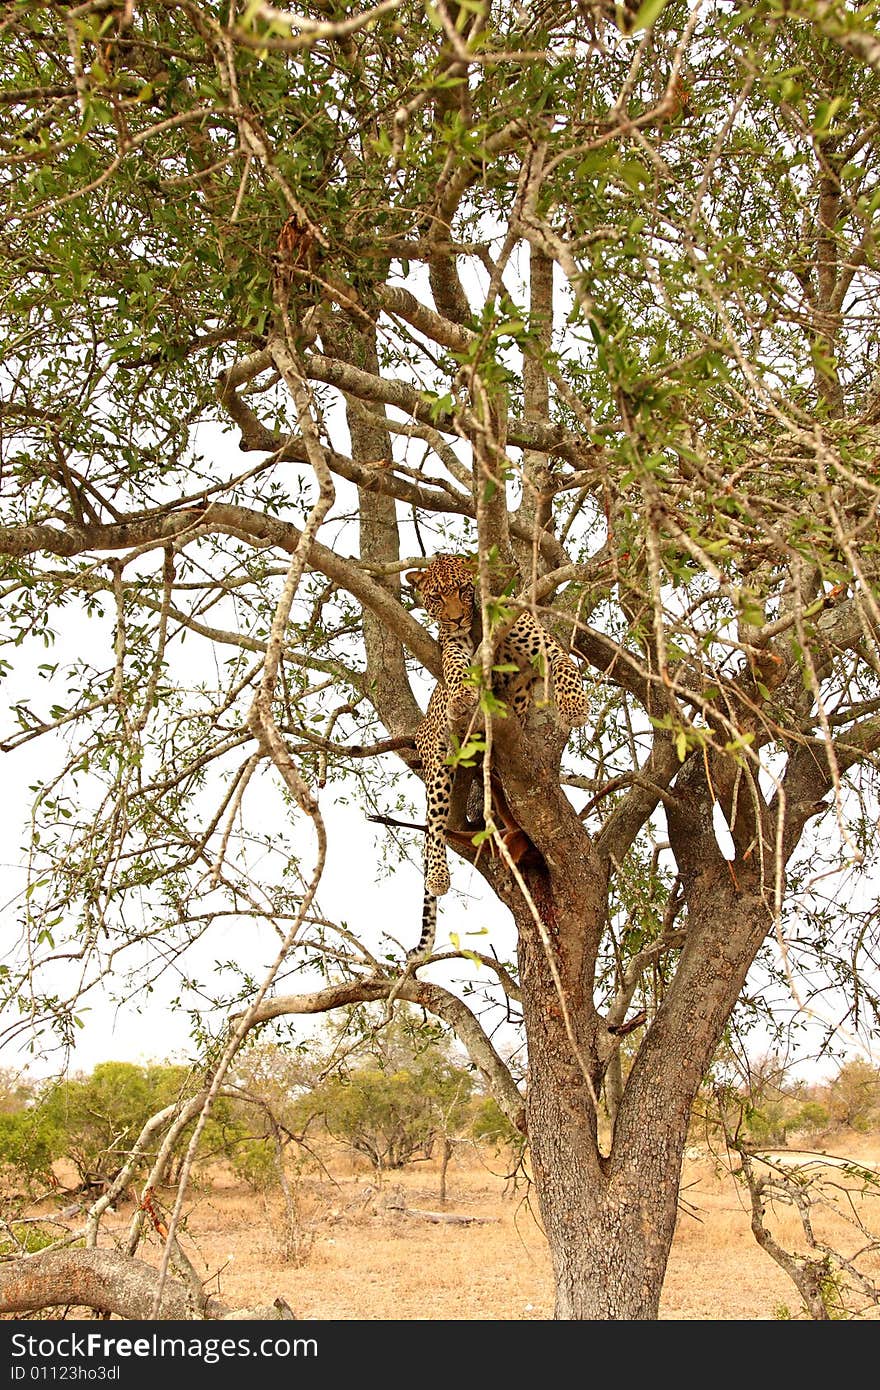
[[446, 590]]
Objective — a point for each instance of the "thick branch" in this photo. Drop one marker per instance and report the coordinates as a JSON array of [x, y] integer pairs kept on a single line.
[[374, 475], [535, 507], [432, 997], [108, 1282], [523, 434], [378, 545], [104, 1280], [377, 475], [156, 528], [394, 299]]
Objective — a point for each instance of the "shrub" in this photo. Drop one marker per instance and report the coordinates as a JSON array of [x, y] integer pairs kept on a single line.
[[30, 1141]]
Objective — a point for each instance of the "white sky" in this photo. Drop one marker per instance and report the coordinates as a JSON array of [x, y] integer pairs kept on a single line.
[[351, 891]]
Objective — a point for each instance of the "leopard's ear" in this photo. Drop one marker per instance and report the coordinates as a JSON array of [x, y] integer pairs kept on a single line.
[[414, 578]]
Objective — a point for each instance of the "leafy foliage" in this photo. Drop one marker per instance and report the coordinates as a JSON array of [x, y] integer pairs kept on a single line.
[[395, 1104], [29, 1145]]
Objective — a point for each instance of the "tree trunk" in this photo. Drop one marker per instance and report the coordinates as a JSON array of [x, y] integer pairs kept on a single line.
[[609, 1227], [610, 1218], [444, 1165]]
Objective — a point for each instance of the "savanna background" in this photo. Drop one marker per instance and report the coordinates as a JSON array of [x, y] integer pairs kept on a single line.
[[366, 1176]]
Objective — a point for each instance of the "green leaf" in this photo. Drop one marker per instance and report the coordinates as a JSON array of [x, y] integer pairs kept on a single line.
[[593, 163], [634, 174], [480, 837], [825, 113], [647, 13], [249, 18], [750, 612]]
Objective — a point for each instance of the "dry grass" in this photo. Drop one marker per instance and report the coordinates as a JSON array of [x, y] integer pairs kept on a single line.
[[366, 1259]]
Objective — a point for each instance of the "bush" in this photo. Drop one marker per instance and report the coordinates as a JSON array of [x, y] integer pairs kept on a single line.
[[854, 1095], [30, 1142], [812, 1117], [490, 1125], [390, 1116], [99, 1117], [26, 1238], [255, 1162]]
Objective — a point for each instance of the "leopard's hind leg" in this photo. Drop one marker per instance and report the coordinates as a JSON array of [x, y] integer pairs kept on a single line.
[[534, 649]]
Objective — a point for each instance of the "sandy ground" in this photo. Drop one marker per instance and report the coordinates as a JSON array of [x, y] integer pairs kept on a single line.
[[364, 1258], [357, 1255]]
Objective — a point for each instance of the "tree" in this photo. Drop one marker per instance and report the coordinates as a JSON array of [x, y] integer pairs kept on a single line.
[[29, 1145], [94, 1121], [854, 1094], [762, 1103], [387, 1089], [28, 1142], [591, 298], [830, 1280], [97, 1117], [390, 1116]]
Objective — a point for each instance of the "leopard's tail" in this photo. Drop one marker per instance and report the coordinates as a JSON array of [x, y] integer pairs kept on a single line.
[[429, 928]]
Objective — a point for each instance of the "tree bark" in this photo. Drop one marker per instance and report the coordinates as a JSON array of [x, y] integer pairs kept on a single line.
[[104, 1280], [610, 1217]]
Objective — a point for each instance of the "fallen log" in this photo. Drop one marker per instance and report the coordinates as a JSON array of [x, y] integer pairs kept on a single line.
[[448, 1217]]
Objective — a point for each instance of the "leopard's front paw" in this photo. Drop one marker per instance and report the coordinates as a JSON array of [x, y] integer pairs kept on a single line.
[[462, 701], [574, 708]]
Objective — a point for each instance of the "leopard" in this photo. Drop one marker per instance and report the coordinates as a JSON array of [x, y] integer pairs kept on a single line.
[[446, 589]]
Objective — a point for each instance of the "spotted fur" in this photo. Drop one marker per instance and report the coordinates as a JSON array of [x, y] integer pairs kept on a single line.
[[446, 590], [537, 654]]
